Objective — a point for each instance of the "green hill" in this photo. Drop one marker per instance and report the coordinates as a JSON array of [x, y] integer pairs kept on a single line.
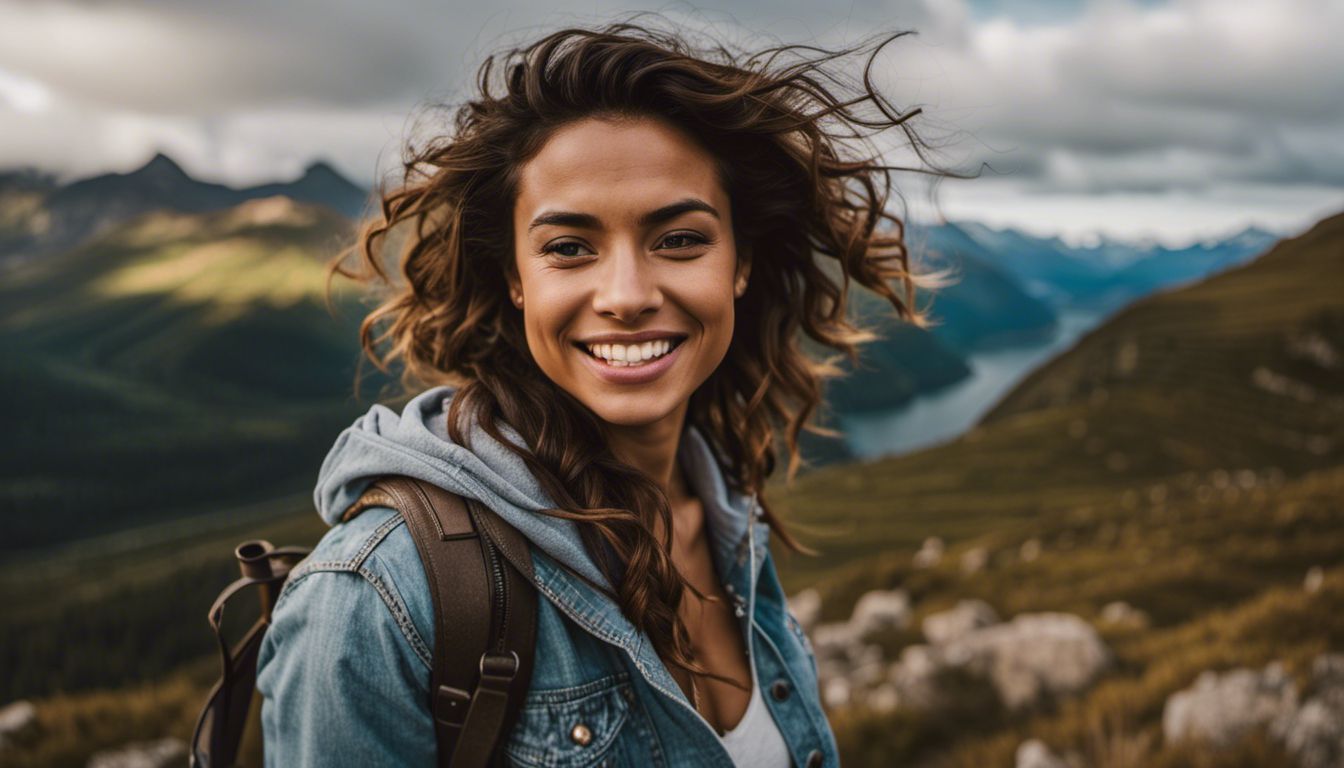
[[1183, 458], [176, 364], [1243, 369]]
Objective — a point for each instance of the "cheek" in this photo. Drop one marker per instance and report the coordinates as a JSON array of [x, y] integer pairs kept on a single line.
[[717, 317], [547, 309]]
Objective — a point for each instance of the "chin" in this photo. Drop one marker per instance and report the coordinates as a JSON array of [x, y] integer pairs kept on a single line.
[[634, 414]]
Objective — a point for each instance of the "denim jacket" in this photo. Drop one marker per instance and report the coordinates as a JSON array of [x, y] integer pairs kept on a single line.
[[344, 668]]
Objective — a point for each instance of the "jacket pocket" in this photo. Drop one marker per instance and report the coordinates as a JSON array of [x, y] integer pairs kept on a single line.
[[575, 727]]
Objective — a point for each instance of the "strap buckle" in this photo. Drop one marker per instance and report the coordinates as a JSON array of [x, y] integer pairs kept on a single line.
[[450, 705], [498, 671]]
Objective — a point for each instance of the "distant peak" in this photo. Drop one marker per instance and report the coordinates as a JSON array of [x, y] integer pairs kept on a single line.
[[160, 165], [321, 169]]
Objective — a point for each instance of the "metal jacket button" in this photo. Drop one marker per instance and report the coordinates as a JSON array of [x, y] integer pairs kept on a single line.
[[780, 690], [814, 759], [581, 735]]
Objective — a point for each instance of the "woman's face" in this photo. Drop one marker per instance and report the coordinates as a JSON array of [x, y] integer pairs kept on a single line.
[[623, 239]]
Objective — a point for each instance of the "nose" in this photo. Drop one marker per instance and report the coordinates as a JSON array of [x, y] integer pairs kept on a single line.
[[627, 286]]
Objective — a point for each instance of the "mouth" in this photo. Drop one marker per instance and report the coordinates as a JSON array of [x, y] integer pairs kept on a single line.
[[623, 356]]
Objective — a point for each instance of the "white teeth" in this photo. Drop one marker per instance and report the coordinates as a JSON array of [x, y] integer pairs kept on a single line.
[[620, 355]]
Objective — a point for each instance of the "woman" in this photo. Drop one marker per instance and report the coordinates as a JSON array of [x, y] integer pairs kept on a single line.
[[604, 272]]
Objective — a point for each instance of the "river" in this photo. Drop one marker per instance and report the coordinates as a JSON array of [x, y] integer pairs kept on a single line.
[[949, 412]]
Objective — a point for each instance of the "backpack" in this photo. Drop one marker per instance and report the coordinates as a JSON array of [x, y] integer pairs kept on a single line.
[[479, 570]]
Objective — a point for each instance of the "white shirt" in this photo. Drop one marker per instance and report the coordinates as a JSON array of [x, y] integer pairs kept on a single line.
[[756, 742]]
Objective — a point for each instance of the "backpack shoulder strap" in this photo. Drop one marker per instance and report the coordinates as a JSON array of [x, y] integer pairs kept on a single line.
[[479, 571]]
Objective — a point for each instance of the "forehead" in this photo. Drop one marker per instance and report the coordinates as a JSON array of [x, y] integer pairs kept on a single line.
[[616, 169]]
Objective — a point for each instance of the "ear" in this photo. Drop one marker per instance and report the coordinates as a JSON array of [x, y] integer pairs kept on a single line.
[[515, 287], [743, 271]]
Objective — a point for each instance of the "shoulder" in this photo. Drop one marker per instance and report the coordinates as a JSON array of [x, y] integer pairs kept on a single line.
[[344, 667], [365, 571]]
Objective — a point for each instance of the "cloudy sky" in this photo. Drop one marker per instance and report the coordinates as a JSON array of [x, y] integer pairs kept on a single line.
[[1169, 119]]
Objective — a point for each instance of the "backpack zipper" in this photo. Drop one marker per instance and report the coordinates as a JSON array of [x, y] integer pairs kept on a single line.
[[498, 594]]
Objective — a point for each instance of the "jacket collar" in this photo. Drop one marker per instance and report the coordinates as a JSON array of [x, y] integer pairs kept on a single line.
[[738, 540]]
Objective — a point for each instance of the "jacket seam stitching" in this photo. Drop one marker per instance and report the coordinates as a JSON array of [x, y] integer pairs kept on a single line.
[[402, 617], [376, 538], [399, 614], [352, 564], [308, 569]]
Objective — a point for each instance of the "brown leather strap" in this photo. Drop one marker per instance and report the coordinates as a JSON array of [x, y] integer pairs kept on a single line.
[[218, 734], [484, 608]]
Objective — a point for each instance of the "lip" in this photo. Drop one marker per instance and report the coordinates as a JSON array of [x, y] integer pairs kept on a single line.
[[631, 338], [626, 375]]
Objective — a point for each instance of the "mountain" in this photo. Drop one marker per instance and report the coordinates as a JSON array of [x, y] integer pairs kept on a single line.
[[1242, 369], [1111, 273], [175, 363], [1047, 268], [1163, 267], [66, 216], [22, 218], [983, 308], [320, 184]]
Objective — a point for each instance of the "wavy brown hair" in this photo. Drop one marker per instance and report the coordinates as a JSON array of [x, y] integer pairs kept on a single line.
[[810, 211]]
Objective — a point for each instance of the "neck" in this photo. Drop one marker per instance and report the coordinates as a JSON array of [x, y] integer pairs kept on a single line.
[[652, 449]]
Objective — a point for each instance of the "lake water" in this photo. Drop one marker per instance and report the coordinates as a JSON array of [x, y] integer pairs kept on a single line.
[[948, 413]]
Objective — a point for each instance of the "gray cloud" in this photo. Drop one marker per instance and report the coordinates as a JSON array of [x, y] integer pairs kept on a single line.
[[1191, 94], [1065, 98]]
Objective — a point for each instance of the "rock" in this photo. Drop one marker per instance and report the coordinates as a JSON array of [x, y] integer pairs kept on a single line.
[[1120, 613], [946, 626], [869, 668], [930, 554], [1315, 578], [974, 560], [884, 698], [880, 610], [1316, 734], [146, 754], [1221, 708], [1034, 655], [915, 678], [18, 723], [1033, 753], [835, 641], [836, 692], [1327, 673], [1030, 550], [806, 608]]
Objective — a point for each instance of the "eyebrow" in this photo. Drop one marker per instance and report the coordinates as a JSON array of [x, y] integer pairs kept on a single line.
[[656, 216]]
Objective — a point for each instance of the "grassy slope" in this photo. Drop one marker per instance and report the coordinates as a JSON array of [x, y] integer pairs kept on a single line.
[[1154, 469], [190, 351], [1207, 524]]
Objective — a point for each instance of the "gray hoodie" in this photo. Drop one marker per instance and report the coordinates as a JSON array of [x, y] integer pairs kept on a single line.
[[416, 443]]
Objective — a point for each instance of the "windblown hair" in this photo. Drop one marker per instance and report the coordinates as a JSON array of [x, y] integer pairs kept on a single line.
[[809, 213]]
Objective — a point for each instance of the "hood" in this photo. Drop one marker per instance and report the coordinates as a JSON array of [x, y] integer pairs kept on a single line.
[[416, 443]]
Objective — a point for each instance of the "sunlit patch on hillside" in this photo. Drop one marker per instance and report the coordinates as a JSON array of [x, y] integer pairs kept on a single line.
[[230, 276]]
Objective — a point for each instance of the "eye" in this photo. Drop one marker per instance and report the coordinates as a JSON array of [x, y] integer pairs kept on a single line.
[[556, 246], [689, 238]]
